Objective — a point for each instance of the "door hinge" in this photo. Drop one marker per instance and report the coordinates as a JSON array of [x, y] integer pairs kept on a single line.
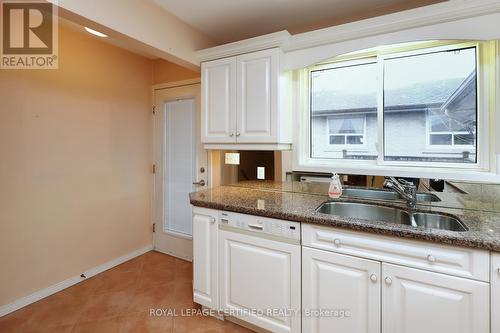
[[154, 168], [154, 110], [154, 227]]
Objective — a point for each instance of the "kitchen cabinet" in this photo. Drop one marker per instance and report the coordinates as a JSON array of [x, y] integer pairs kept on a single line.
[[420, 301], [205, 262], [218, 100], [341, 283], [495, 293], [244, 100], [258, 275]]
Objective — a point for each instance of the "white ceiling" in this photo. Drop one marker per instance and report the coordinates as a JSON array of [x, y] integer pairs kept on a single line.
[[230, 20]]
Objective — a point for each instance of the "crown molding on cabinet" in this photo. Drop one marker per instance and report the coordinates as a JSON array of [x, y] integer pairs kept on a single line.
[[275, 39]]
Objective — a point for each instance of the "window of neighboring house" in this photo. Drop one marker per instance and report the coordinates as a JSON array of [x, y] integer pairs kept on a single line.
[[450, 132], [346, 131], [341, 97]]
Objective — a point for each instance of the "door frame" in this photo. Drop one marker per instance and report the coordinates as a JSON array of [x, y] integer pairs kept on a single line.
[[182, 243]]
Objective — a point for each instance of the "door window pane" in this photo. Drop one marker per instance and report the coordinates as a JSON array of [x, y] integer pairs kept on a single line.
[[344, 112], [430, 110]]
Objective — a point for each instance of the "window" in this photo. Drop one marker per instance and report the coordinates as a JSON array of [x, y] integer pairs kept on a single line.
[[430, 107], [413, 108], [344, 111], [346, 130]]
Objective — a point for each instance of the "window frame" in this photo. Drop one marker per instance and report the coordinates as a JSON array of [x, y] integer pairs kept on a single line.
[[483, 169]]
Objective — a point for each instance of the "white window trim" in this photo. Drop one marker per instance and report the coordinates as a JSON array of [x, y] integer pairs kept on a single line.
[[353, 147], [484, 170]]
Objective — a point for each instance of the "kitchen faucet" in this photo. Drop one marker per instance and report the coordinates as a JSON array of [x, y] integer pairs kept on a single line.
[[404, 188]]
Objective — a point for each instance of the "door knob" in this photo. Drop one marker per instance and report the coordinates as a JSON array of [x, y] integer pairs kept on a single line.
[[201, 183]]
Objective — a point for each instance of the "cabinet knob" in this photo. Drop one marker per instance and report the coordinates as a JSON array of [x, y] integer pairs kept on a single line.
[[373, 277], [388, 281], [238, 134], [336, 241], [212, 219], [231, 134], [430, 258], [498, 271]]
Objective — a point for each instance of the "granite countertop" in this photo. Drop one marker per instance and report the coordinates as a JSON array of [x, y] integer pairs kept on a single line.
[[272, 201]]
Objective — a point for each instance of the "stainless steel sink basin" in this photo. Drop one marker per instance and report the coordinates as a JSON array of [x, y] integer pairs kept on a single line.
[[366, 211], [438, 221], [385, 195], [391, 215]]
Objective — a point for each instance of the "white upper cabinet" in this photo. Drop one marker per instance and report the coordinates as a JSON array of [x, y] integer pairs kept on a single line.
[[417, 301], [257, 100], [218, 100], [244, 100]]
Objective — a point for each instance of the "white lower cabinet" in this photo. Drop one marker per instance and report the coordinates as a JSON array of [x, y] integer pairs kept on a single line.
[[345, 288], [258, 274], [416, 301], [205, 265], [495, 293]]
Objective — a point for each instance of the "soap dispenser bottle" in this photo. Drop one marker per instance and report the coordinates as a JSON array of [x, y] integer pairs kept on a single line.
[[335, 190]]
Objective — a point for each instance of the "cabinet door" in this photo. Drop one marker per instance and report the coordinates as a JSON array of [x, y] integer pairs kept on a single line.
[[257, 97], [205, 275], [218, 101], [260, 281], [337, 282], [495, 293], [416, 301]]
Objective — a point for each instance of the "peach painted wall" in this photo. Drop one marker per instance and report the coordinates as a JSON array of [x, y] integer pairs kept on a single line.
[[75, 157], [165, 71]]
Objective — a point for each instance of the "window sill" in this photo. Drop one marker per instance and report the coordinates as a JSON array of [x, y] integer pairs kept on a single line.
[[372, 168]]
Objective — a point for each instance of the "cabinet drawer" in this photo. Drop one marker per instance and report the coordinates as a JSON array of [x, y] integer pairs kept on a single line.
[[458, 261]]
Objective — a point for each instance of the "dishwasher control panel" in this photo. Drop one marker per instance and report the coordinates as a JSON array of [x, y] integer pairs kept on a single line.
[[280, 228]]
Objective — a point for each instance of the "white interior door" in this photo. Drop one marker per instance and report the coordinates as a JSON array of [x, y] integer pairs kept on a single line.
[[180, 163]]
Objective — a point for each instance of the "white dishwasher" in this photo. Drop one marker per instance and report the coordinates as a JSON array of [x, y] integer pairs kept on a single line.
[[260, 271]]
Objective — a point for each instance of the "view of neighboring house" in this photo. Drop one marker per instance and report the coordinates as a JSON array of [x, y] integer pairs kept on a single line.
[[422, 122]]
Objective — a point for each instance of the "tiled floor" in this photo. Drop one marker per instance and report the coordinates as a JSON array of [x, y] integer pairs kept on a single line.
[[119, 300]]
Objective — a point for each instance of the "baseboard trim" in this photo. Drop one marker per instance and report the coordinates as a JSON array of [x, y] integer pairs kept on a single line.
[[38, 295]]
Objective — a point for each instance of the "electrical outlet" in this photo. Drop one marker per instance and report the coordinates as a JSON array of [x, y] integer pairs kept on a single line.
[[261, 173]]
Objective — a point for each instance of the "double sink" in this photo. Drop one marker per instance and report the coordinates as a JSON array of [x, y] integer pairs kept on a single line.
[[391, 214]]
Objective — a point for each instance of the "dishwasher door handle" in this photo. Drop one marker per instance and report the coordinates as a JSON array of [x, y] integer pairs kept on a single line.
[[256, 226]]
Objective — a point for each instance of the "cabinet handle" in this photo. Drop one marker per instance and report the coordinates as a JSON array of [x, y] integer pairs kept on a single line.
[[373, 277], [238, 134], [212, 220], [388, 281], [430, 258], [337, 242], [231, 134]]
